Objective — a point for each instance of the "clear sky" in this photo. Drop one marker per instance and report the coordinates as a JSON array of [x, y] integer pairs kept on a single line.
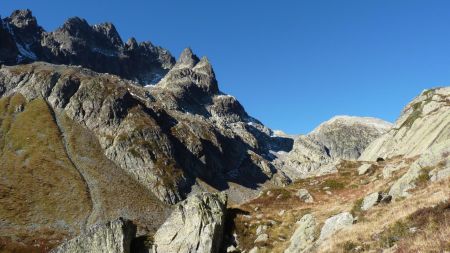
[[292, 64]]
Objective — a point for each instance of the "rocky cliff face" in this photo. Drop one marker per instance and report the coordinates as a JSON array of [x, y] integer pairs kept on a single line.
[[342, 137], [97, 47], [424, 123]]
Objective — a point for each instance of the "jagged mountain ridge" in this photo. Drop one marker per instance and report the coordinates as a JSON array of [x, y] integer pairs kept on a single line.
[[98, 47]]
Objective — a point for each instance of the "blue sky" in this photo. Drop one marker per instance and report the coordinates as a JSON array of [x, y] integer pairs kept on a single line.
[[292, 64]]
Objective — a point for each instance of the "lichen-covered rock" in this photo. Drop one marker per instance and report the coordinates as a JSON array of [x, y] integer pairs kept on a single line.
[[391, 168], [405, 183], [262, 238], [305, 196], [363, 169], [334, 224], [439, 174], [303, 238], [195, 225], [433, 158], [113, 237], [371, 200]]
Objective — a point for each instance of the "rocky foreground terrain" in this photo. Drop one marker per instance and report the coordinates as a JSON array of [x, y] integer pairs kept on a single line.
[[117, 147]]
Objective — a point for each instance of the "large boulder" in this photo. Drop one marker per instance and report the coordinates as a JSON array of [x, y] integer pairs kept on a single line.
[[363, 169], [112, 237], [195, 225], [303, 238], [334, 224], [305, 196], [371, 200]]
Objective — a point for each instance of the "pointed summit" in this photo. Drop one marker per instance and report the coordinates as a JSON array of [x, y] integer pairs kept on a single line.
[[110, 31], [205, 67], [187, 59], [23, 18], [75, 26]]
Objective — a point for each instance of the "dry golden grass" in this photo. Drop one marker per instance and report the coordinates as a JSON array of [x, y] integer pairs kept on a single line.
[[39, 187], [381, 217]]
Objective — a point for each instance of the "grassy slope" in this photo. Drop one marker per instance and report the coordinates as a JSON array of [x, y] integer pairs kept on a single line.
[[345, 192], [115, 193], [45, 196], [42, 196]]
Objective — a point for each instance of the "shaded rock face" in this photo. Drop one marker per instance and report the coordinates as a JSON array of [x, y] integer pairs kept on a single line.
[[195, 225], [423, 124], [97, 47], [342, 137], [114, 237]]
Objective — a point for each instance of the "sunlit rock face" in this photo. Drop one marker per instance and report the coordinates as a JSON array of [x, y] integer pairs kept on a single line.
[[342, 137]]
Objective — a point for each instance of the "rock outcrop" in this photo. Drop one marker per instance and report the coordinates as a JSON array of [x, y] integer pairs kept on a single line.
[[424, 168], [334, 224], [98, 47], [342, 137], [195, 225], [423, 124], [114, 237], [303, 238], [305, 196], [371, 200]]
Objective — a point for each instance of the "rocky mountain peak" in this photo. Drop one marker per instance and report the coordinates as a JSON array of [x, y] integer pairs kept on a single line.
[[192, 75], [109, 30], [23, 18], [131, 44], [187, 59], [75, 26], [345, 120]]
